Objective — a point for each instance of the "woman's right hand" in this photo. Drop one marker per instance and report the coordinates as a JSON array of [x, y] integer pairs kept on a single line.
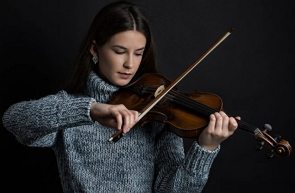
[[115, 116]]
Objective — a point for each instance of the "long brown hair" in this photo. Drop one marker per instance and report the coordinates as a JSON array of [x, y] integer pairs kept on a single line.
[[114, 18]]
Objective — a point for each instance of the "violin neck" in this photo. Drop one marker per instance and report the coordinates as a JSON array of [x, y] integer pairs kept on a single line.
[[205, 110], [247, 127]]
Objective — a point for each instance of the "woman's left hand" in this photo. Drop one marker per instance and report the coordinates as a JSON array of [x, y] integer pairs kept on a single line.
[[219, 128]]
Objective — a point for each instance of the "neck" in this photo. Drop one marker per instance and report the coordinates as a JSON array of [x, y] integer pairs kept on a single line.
[[99, 89]]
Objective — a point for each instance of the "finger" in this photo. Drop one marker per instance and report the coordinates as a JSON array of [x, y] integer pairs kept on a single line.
[[132, 120], [127, 116], [238, 117], [119, 120], [211, 125], [233, 125], [225, 122], [124, 116], [218, 125], [134, 117]]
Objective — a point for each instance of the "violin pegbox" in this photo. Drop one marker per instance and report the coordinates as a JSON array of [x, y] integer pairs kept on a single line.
[[276, 146]]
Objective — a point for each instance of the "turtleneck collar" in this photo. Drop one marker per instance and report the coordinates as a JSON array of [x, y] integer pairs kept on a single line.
[[99, 89]]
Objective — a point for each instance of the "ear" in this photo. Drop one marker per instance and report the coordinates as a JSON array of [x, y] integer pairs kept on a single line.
[[93, 48]]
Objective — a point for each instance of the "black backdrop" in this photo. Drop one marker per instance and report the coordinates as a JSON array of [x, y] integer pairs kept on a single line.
[[252, 71]]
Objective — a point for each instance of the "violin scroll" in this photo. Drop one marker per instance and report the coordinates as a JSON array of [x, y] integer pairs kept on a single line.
[[275, 145]]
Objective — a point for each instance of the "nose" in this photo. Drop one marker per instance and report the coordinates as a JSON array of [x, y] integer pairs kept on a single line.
[[129, 62]]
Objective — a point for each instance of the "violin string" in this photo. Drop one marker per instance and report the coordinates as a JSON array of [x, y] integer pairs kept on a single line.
[[191, 104], [184, 100]]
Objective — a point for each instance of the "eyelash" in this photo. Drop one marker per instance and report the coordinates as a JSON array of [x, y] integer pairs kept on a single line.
[[123, 52], [119, 52]]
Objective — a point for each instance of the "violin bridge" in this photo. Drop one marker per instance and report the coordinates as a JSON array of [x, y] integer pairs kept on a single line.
[[159, 90]]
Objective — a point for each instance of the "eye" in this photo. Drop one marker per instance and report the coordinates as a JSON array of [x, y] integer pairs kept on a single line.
[[139, 53], [119, 51]]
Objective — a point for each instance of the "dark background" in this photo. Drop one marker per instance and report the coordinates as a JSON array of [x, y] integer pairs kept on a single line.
[[252, 71]]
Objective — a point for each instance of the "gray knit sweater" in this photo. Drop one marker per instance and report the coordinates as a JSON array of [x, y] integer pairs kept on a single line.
[[147, 159]]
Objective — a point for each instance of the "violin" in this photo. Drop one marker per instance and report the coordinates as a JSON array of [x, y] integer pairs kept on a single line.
[[157, 99]]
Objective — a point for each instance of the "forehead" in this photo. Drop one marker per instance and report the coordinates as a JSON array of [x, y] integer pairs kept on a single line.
[[131, 38]]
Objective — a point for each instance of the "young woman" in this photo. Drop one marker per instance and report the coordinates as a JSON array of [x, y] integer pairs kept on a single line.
[[77, 122]]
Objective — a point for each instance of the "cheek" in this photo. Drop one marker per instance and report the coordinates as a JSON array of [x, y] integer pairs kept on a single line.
[[138, 61], [108, 62]]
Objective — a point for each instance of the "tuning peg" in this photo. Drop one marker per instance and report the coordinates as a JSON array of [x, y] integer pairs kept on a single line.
[[271, 155], [260, 145], [267, 127], [277, 137]]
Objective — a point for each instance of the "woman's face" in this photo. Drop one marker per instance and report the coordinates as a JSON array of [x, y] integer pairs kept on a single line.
[[120, 57]]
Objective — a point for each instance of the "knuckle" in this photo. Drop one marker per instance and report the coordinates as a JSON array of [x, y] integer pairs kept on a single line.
[[212, 117], [219, 118], [217, 114], [223, 114], [121, 106], [226, 119]]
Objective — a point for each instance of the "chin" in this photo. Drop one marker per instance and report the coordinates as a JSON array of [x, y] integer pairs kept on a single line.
[[121, 82]]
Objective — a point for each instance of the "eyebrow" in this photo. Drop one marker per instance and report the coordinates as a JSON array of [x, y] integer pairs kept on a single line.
[[122, 47]]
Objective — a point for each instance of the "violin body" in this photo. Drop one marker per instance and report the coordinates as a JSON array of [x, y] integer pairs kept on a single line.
[[184, 121]]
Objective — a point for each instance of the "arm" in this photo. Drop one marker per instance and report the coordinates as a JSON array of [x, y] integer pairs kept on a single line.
[[176, 172], [179, 173], [36, 122]]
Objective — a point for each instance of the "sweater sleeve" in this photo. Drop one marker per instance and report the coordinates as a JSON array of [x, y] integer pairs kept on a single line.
[[177, 172], [36, 122]]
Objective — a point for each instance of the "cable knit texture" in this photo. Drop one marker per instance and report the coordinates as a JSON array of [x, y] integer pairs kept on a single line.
[[147, 159]]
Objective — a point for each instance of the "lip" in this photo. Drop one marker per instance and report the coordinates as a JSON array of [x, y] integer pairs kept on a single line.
[[125, 75]]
